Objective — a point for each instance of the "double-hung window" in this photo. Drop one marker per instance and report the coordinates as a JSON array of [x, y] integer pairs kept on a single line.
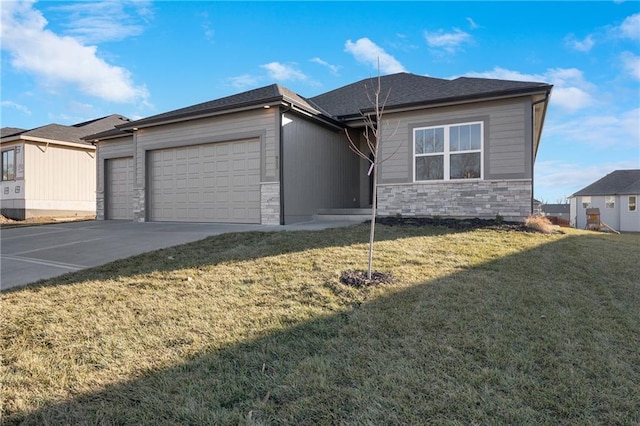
[[9, 164], [610, 202], [633, 203], [448, 152]]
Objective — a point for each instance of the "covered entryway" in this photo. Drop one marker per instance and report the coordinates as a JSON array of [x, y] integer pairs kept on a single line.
[[119, 188], [217, 182]]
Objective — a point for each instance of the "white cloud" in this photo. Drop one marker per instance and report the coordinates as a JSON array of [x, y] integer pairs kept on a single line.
[[209, 32], [565, 178], [244, 81], [62, 59], [599, 130], [631, 64], [570, 90], [366, 51], [630, 27], [333, 68], [472, 23], [282, 72], [584, 45], [449, 42], [19, 107], [95, 22]]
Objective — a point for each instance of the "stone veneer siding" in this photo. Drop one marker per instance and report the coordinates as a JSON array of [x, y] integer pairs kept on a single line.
[[270, 203], [139, 213], [100, 205], [510, 199]]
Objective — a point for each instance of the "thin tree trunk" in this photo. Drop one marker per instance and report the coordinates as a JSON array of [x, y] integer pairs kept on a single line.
[[374, 202]]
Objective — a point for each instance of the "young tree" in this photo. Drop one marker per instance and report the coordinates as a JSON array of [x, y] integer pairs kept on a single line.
[[374, 135]]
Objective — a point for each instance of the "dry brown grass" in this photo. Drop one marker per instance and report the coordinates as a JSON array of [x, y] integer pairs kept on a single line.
[[540, 224], [480, 327]]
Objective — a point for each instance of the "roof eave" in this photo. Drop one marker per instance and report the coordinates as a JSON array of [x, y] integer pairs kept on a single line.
[[188, 116]]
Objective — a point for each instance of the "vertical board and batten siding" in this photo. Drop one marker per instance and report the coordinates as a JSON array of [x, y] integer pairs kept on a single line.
[[507, 138], [319, 170], [59, 179]]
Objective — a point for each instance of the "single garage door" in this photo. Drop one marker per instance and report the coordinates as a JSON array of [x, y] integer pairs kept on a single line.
[[218, 182], [119, 188]]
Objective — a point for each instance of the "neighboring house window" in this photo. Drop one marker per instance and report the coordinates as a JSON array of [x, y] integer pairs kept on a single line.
[[609, 202], [586, 202], [633, 203], [448, 152], [9, 164]]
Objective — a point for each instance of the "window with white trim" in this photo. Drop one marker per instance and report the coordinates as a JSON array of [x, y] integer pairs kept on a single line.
[[9, 164], [586, 202], [633, 203], [448, 152], [610, 202]]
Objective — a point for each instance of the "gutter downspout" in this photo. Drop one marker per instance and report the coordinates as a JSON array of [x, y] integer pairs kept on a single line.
[[533, 157]]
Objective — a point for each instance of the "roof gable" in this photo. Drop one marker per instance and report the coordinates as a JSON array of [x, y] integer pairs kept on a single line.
[[618, 182]]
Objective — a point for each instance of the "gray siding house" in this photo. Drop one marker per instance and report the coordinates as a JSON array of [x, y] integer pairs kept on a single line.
[[461, 148], [616, 195]]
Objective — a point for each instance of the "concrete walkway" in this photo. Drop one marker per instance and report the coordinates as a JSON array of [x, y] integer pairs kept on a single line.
[[32, 253]]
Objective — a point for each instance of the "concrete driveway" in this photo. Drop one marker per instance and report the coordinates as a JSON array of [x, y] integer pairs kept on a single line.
[[32, 253]]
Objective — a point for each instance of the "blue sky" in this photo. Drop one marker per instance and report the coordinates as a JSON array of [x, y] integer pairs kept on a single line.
[[66, 62]]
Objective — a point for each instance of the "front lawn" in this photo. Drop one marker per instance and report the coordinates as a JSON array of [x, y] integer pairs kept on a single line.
[[480, 327]]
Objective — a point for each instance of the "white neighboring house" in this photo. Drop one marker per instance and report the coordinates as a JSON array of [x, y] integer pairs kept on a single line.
[[616, 195], [50, 170]]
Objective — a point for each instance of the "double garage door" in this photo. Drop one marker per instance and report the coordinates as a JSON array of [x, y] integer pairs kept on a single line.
[[218, 182]]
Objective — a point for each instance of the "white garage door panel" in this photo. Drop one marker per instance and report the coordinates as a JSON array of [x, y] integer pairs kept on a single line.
[[206, 183], [119, 200]]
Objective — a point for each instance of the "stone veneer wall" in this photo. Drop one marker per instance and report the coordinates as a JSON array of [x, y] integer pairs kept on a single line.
[[100, 205], [270, 203], [139, 212], [510, 199]]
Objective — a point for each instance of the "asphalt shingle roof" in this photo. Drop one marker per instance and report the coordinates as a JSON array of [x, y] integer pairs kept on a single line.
[[73, 133], [556, 208], [261, 95], [405, 89], [11, 131], [618, 182]]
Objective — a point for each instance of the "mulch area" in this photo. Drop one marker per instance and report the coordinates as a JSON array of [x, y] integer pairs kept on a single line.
[[457, 224]]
